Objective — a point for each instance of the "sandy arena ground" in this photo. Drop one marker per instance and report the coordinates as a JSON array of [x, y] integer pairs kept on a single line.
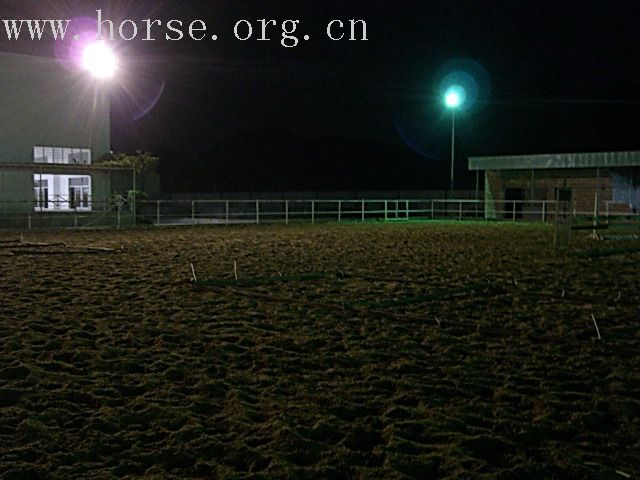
[[417, 351]]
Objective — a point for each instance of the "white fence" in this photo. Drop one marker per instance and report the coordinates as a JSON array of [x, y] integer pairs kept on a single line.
[[226, 212], [61, 213], [119, 211]]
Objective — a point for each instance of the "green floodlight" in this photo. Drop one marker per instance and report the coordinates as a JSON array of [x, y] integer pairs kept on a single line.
[[454, 97]]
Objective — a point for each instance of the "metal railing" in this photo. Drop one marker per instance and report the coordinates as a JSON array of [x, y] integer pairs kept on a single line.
[[225, 212], [116, 212], [122, 211], [60, 203], [260, 211]]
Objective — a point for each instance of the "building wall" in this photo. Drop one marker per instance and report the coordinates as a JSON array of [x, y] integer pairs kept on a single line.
[[17, 194], [43, 103], [16, 191], [541, 185]]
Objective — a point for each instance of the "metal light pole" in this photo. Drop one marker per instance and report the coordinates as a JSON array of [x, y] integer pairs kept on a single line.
[[454, 97], [453, 145]]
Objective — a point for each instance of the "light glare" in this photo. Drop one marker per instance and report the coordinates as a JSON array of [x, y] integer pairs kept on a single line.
[[454, 97], [100, 60]]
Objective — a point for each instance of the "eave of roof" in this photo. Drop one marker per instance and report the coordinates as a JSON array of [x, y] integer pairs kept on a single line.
[[557, 160]]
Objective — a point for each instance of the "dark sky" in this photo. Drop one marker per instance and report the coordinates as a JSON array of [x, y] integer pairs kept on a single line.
[[561, 78]]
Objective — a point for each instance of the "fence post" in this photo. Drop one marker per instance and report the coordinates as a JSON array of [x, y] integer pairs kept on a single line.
[[513, 213], [313, 212], [193, 212], [460, 210], [257, 212], [75, 217], [544, 211], [157, 213], [286, 212], [432, 211], [226, 212], [385, 210], [134, 197], [606, 211], [363, 210], [339, 211], [406, 206]]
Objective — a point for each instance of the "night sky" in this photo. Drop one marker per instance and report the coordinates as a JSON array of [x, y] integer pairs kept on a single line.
[[241, 116]]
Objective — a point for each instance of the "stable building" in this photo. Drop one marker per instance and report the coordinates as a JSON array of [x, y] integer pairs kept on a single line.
[[527, 186], [54, 124]]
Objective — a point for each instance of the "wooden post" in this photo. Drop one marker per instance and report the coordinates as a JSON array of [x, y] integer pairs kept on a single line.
[[134, 196], [555, 220], [596, 203], [286, 212], [533, 190]]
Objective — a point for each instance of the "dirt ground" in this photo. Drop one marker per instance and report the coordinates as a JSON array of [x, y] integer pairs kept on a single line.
[[363, 351]]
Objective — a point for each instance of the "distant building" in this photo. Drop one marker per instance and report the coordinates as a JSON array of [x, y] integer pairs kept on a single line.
[[524, 185], [54, 124]]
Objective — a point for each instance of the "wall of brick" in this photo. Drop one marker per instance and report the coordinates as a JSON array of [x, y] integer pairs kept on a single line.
[[541, 185]]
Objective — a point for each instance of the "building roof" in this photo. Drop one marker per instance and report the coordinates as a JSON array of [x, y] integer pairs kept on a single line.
[[556, 160]]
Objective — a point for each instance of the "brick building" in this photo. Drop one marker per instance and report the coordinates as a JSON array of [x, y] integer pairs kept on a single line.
[[526, 186]]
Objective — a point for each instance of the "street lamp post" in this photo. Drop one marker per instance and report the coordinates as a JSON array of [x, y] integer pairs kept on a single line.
[[453, 99], [453, 145]]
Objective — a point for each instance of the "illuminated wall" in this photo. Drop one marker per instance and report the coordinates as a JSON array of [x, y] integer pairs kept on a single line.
[[46, 104]]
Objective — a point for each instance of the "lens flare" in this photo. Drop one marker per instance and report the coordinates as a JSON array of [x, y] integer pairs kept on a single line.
[[99, 60], [122, 69]]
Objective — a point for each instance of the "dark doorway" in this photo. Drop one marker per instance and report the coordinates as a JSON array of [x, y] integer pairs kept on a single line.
[[513, 202]]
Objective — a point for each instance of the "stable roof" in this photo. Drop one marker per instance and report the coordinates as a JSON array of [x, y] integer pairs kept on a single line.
[[556, 160]]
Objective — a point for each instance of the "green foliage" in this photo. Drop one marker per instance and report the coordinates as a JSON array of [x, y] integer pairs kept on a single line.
[[140, 161]]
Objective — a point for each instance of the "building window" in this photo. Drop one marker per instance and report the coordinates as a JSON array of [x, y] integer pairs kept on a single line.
[[562, 194], [79, 192], [62, 193], [41, 187], [63, 155]]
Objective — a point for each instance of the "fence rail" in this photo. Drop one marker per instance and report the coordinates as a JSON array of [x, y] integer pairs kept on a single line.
[[59, 212], [199, 212], [121, 211]]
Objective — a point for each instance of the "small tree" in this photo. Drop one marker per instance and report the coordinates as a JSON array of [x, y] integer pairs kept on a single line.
[[141, 162]]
